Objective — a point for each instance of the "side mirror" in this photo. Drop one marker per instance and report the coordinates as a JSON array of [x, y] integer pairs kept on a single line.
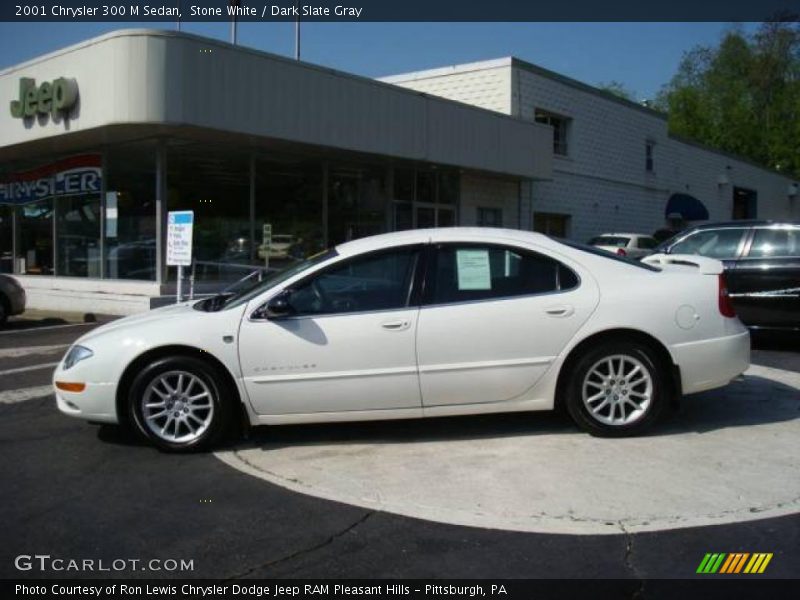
[[279, 306]]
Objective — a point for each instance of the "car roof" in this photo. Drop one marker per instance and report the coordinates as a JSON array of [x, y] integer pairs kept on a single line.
[[741, 223], [624, 235], [443, 234]]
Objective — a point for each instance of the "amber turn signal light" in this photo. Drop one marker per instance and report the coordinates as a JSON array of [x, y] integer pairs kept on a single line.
[[68, 386]]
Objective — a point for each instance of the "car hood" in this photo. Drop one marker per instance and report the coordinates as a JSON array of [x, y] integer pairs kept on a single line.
[[174, 311]]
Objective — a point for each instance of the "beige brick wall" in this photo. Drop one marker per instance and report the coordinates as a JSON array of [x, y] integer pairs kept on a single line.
[[602, 183]]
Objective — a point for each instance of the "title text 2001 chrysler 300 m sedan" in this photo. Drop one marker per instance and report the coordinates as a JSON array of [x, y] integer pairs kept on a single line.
[[417, 324]]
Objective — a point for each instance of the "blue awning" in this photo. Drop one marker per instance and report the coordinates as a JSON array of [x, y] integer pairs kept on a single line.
[[686, 207]]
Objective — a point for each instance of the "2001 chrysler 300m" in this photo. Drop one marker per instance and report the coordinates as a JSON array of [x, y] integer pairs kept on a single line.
[[416, 324]]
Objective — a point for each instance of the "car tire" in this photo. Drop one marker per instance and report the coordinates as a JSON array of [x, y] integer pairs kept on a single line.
[[618, 388], [181, 404], [4, 310]]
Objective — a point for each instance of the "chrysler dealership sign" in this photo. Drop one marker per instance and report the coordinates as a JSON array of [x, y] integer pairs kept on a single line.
[[71, 176], [47, 98]]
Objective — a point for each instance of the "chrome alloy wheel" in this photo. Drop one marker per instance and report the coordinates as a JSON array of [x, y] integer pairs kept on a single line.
[[177, 406], [617, 390]]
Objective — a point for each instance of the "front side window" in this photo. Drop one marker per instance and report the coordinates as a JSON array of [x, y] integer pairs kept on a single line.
[[378, 281], [769, 243], [714, 243], [464, 273]]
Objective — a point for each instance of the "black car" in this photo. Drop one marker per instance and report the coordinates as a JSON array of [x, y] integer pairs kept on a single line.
[[762, 266]]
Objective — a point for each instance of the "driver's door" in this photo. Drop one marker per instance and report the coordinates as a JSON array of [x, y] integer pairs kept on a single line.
[[346, 344]]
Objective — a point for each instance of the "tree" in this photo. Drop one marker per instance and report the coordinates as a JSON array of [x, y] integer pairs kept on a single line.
[[742, 96], [617, 89]]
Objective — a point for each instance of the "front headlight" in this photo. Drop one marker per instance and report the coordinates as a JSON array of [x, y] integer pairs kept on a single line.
[[75, 355]]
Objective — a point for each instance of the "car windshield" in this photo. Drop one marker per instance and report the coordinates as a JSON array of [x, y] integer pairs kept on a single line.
[[606, 254], [230, 299], [610, 240]]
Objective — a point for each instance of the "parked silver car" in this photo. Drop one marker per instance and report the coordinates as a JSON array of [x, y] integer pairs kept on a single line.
[[632, 245], [12, 298]]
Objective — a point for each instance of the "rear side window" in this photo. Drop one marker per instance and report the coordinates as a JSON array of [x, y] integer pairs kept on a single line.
[[610, 240], [463, 273], [714, 243], [647, 243], [768, 243]]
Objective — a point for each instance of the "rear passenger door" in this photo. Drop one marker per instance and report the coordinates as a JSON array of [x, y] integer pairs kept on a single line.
[[493, 319], [766, 289]]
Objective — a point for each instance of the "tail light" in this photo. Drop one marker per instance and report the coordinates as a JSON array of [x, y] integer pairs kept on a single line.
[[725, 305], [621, 252]]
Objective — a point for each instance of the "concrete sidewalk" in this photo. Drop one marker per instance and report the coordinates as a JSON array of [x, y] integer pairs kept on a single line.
[[730, 455]]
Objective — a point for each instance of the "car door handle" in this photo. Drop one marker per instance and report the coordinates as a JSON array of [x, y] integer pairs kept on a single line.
[[560, 311], [396, 325]]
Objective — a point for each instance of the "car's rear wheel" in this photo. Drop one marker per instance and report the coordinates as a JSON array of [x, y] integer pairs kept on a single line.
[[618, 388], [179, 403]]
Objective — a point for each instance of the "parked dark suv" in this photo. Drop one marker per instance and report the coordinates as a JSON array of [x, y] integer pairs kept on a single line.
[[762, 266]]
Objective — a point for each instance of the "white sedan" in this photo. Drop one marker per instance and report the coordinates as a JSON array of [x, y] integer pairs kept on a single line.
[[421, 323]]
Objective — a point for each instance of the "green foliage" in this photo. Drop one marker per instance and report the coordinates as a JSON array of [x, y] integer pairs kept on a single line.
[[742, 96], [618, 89]]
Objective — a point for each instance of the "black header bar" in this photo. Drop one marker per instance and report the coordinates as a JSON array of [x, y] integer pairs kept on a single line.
[[400, 10]]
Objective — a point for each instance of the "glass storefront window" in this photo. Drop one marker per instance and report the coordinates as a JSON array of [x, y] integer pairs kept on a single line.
[[449, 187], [36, 238], [213, 180], [288, 197], [6, 239], [130, 227], [404, 185], [426, 186], [425, 198], [356, 204], [78, 236]]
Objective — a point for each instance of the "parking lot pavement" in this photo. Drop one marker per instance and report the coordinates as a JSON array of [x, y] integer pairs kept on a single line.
[[73, 490]]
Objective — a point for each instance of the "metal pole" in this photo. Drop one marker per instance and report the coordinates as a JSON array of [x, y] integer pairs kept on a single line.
[[325, 181], [179, 287], [297, 33], [161, 210], [253, 246], [235, 4], [191, 282]]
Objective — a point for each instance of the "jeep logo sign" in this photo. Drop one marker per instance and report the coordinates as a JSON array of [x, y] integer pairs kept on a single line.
[[50, 97]]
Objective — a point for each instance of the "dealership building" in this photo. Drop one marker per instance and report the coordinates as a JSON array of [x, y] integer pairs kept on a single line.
[[99, 141]]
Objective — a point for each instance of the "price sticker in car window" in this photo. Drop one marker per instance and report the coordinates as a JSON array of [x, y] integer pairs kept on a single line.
[[474, 270]]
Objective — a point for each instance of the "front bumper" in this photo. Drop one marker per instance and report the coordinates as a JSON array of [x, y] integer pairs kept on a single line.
[[710, 364], [97, 402]]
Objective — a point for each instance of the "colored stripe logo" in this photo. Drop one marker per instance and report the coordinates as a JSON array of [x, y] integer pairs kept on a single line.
[[734, 563]]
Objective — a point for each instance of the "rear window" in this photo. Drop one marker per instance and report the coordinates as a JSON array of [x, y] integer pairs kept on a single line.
[[605, 254], [610, 240]]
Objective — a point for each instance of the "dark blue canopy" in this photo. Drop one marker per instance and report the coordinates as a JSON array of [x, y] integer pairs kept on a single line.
[[688, 207]]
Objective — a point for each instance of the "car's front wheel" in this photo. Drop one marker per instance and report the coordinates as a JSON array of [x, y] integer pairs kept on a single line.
[[618, 388], [179, 404]]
